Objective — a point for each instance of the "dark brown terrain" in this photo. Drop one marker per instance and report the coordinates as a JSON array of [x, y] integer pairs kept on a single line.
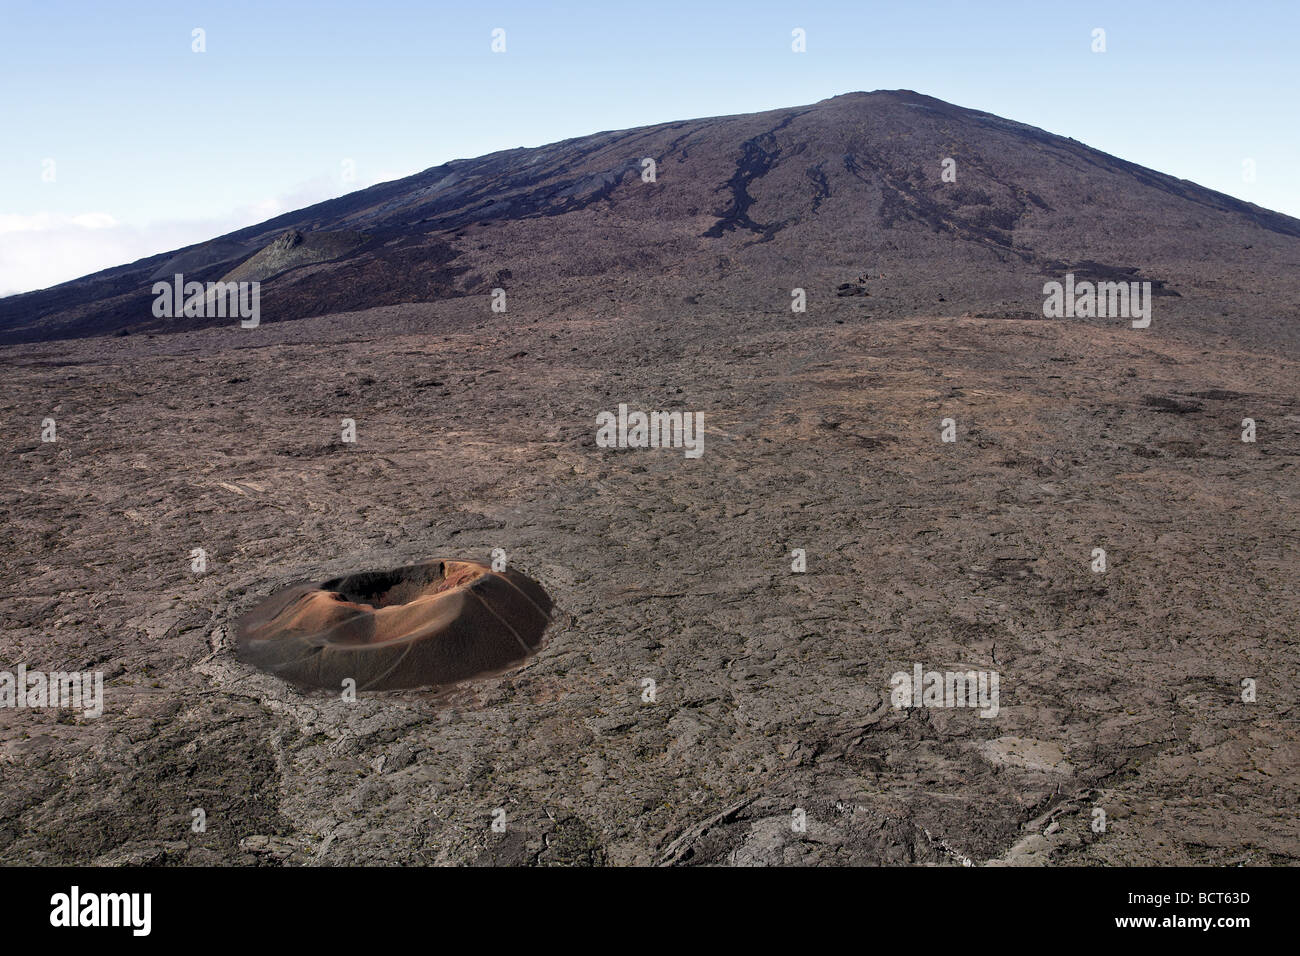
[[1120, 691]]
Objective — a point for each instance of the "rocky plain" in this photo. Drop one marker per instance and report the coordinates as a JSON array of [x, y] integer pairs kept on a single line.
[[697, 699]]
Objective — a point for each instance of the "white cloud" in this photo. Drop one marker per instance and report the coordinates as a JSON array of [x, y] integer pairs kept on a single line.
[[95, 220], [45, 221]]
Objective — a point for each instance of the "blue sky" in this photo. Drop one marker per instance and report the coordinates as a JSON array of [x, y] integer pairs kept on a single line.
[[155, 146]]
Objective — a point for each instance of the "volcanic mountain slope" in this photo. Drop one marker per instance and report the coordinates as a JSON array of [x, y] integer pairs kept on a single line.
[[743, 209]]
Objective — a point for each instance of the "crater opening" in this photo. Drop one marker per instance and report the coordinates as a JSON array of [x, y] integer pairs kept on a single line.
[[436, 622]]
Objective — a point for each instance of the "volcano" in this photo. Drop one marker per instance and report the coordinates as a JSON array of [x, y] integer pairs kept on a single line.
[[931, 203]]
